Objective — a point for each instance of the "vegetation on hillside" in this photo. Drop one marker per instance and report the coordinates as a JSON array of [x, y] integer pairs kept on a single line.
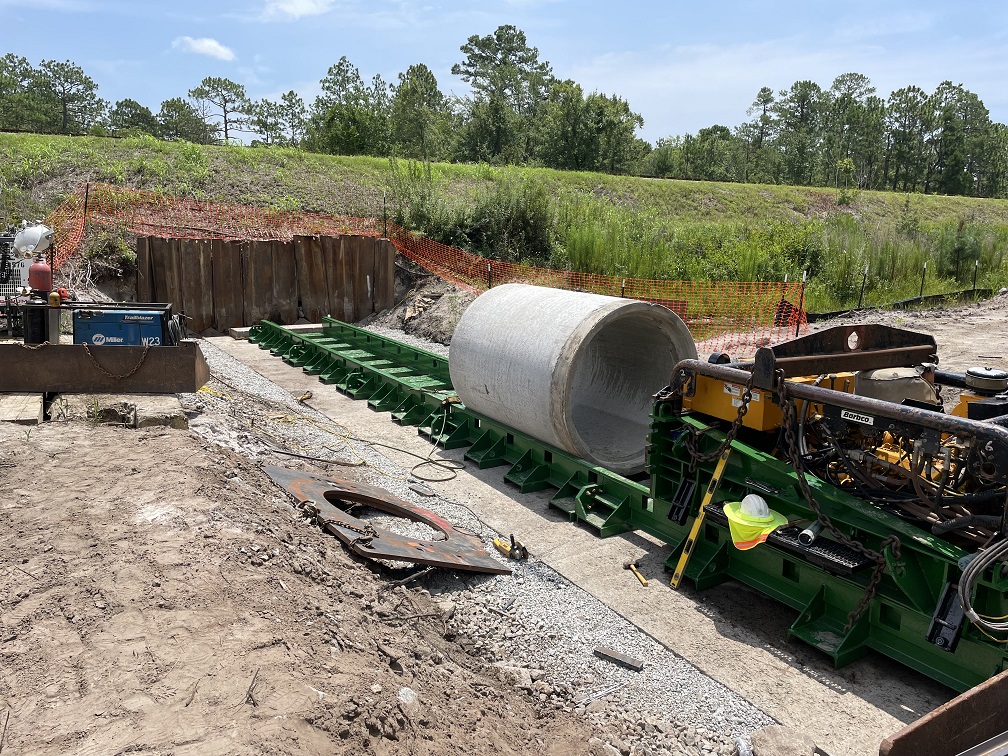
[[589, 222], [844, 136]]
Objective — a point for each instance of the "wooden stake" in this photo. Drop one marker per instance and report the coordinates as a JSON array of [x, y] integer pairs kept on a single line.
[[248, 694], [4, 733]]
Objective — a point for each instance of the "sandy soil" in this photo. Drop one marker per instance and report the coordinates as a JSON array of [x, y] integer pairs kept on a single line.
[[140, 614]]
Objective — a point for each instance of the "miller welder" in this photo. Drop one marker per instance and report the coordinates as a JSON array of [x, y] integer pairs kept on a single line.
[[126, 324]]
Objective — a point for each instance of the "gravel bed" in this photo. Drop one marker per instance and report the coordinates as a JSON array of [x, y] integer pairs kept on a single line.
[[534, 624], [414, 341]]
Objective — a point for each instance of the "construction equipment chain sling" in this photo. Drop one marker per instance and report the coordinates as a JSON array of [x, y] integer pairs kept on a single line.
[[892, 542], [113, 376], [693, 438], [367, 533]]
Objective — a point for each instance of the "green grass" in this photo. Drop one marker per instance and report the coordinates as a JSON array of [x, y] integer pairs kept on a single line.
[[588, 222]]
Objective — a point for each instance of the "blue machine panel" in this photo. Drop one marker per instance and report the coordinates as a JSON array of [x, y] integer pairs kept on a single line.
[[119, 327]]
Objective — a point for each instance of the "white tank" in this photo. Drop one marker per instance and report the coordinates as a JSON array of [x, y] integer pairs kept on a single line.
[[575, 370]]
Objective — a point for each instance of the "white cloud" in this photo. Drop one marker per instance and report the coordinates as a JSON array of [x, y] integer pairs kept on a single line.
[[295, 9], [204, 46]]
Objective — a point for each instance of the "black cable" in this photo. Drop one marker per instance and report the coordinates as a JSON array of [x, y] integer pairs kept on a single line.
[[448, 465], [984, 521], [340, 462]]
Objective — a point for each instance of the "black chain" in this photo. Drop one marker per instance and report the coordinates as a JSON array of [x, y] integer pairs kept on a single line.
[[693, 438], [367, 533], [892, 542], [113, 376]]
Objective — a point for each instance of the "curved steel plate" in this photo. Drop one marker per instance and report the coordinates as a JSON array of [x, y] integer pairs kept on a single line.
[[459, 551]]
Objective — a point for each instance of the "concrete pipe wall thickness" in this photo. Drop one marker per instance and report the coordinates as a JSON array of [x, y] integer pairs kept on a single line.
[[575, 370]]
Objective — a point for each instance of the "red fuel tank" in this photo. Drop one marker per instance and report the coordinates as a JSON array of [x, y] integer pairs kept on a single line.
[[40, 276]]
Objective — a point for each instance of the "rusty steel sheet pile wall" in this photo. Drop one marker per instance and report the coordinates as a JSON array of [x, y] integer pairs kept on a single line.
[[732, 316], [226, 284]]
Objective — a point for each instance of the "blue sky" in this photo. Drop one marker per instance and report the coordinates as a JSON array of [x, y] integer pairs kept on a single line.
[[682, 65]]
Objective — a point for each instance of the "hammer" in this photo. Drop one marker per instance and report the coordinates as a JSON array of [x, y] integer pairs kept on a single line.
[[632, 566]]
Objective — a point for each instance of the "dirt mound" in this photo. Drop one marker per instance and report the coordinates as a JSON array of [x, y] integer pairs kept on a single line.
[[426, 306], [160, 596]]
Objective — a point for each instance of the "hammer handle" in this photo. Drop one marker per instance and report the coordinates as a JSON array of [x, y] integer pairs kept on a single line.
[[643, 580]]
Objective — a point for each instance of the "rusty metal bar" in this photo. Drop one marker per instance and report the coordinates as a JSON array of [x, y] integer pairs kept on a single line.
[[89, 369], [816, 364]]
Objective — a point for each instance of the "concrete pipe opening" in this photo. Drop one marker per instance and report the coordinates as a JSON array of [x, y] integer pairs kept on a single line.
[[575, 370]]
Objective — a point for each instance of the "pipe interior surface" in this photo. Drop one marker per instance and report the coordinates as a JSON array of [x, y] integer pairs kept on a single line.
[[614, 379], [575, 370]]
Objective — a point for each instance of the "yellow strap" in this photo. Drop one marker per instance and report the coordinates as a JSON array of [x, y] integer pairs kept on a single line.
[[708, 495]]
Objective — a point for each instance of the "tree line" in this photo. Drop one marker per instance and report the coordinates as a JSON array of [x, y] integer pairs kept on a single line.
[[850, 138], [518, 112]]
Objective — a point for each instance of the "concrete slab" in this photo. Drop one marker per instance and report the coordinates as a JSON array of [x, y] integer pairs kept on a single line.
[[732, 633], [241, 334], [23, 409], [135, 410]]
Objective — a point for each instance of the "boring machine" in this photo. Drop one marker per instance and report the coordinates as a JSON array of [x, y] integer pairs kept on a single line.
[[890, 473]]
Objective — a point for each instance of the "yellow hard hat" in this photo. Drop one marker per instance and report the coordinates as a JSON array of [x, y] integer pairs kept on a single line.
[[751, 521]]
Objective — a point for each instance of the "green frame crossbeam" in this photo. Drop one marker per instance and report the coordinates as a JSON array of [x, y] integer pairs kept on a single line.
[[414, 386]]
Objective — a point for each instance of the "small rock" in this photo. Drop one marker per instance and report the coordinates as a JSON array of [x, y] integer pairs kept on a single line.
[[409, 702], [596, 706], [620, 746], [517, 676], [376, 688]]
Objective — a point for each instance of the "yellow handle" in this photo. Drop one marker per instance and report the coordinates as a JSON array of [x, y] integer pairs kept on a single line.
[[643, 580]]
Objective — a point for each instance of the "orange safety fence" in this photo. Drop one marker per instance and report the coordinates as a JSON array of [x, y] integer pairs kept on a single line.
[[723, 316]]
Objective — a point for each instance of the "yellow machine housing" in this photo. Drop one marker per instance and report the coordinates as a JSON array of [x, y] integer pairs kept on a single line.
[[721, 399]]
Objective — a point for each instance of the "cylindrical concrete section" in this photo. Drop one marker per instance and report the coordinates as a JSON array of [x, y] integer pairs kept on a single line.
[[575, 370]]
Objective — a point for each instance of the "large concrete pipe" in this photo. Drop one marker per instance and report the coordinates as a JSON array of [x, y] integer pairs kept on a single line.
[[575, 370]]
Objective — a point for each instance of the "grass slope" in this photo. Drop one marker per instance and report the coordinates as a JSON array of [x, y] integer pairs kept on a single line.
[[586, 221]]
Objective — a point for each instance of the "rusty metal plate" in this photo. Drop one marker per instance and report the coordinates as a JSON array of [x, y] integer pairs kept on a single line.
[[964, 722], [843, 348], [89, 369], [459, 551]]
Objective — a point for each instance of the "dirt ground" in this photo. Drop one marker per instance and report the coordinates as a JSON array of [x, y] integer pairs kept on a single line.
[[159, 596]]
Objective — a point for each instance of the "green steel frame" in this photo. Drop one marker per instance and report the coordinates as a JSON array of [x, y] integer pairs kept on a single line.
[[415, 387]]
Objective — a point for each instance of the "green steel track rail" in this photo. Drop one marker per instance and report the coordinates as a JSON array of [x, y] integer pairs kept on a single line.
[[415, 387]]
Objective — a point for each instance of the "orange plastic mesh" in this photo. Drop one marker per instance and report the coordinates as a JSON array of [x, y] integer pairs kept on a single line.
[[724, 316]]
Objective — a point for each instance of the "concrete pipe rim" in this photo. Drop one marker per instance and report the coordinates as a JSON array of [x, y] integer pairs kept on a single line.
[[669, 342]]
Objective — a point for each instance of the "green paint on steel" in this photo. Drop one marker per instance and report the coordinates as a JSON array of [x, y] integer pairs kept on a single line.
[[897, 620], [415, 387]]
